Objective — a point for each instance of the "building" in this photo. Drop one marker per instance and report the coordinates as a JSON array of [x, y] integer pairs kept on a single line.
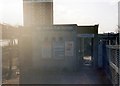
[[38, 12], [56, 49], [46, 48]]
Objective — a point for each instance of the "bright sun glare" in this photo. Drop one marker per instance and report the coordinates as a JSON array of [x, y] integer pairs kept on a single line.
[[12, 11], [81, 12]]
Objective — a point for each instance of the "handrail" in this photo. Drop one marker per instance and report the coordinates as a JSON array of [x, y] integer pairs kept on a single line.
[[114, 67]]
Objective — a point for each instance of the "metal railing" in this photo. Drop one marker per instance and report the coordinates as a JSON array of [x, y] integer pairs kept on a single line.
[[113, 52], [9, 60]]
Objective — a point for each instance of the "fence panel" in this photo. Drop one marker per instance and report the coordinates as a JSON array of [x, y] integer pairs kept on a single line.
[[113, 56]]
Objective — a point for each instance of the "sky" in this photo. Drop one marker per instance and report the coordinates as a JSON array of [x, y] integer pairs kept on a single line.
[[80, 12]]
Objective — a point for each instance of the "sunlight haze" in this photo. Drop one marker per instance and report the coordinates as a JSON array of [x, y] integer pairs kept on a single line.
[[81, 12]]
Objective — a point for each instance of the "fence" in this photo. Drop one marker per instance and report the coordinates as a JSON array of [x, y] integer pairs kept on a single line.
[[9, 59], [113, 52]]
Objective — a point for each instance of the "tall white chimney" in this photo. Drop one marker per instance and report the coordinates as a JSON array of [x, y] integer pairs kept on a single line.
[[38, 12]]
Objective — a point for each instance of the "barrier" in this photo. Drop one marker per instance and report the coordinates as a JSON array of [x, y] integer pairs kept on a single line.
[[113, 57]]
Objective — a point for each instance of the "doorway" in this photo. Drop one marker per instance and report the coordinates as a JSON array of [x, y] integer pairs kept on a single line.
[[85, 51]]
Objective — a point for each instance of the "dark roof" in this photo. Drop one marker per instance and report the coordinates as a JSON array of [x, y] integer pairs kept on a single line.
[[87, 29], [65, 25]]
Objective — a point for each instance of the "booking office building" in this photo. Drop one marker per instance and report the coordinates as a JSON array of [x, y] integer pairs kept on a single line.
[[54, 48], [57, 48]]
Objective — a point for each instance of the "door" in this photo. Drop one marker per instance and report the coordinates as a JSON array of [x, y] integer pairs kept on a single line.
[[85, 51]]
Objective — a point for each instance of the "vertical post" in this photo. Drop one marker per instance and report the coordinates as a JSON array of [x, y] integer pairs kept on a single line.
[[119, 37], [75, 48], [0, 55], [95, 51], [109, 42], [10, 59], [116, 41], [100, 54]]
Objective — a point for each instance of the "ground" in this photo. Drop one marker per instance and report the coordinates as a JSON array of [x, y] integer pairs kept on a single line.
[[83, 76]]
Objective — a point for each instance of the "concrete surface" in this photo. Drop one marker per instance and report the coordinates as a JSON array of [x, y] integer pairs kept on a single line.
[[83, 76]]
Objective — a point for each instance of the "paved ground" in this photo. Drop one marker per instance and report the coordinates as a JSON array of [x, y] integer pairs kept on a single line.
[[84, 76], [12, 81]]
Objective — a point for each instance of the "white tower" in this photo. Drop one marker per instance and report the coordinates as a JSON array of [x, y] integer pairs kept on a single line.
[[38, 12]]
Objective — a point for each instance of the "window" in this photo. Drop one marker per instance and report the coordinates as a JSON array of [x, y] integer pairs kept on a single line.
[[53, 39], [46, 39], [60, 38]]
